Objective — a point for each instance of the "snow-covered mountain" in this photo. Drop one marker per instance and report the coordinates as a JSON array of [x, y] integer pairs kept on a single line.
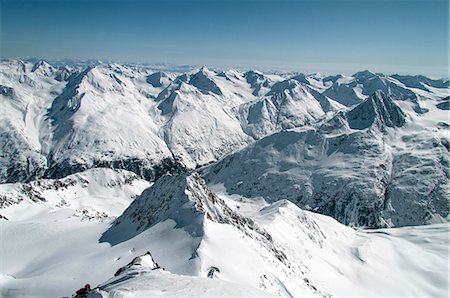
[[354, 163], [287, 105], [366, 166], [229, 179]]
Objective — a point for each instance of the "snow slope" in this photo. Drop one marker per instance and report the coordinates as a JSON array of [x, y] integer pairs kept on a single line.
[[92, 194], [143, 277], [24, 132], [200, 126], [213, 243], [279, 247], [288, 104]]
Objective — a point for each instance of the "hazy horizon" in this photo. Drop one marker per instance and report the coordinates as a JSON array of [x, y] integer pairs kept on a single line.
[[183, 66]]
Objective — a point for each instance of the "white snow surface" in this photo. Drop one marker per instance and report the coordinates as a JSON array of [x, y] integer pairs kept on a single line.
[[255, 248]]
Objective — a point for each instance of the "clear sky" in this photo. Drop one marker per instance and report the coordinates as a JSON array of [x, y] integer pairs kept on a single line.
[[391, 36]]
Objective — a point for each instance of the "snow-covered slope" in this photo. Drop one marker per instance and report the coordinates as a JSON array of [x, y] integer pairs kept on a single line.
[[24, 132], [199, 123], [92, 194], [143, 277], [365, 167], [210, 242], [288, 104], [100, 120]]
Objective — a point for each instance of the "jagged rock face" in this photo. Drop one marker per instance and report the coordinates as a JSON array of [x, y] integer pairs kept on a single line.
[[444, 104], [184, 198], [418, 190], [204, 83], [138, 265], [379, 110], [142, 167], [301, 78], [343, 93], [363, 75], [7, 91], [28, 162], [434, 83], [258, 82], [158, 79], [332, 79], [166, 200], [64, 73], [43, 68], [410, 81]]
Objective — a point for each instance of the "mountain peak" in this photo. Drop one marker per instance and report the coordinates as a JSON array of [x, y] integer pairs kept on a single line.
[[155, 79], [301, 78], [378, 109], [139, 265], [332, 78], [257, 81], [43, 67], [363, 75], [203, 82], [282, 86]]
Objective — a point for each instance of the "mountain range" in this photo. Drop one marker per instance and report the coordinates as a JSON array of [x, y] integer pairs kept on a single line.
[[280, 183]]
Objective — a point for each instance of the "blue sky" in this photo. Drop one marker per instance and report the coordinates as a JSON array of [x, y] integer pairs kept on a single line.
[[396, 36]]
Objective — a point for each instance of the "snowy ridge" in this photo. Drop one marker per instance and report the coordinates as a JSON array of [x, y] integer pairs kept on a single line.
[[197, 210], [311, 249], [187, 200], [378, 110], [147, 279]]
